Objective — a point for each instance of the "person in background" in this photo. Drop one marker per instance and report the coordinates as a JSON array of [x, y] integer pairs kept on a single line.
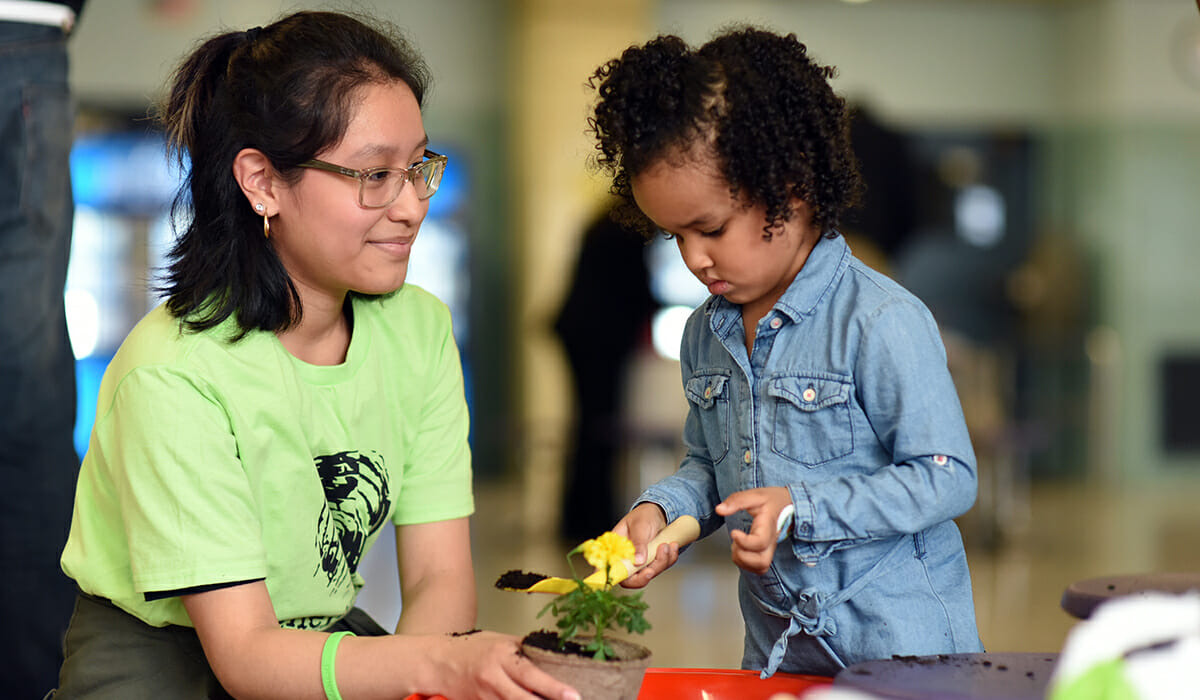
[[878, 229], [601, 325], [291, 397], [824, 430], [38, 464]]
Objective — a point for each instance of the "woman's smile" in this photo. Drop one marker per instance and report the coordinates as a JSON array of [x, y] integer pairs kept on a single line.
[[399, 247]]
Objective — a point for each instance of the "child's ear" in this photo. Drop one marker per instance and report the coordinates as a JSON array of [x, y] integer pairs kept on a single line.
[[802, 213], [801, 210], [258, 180]]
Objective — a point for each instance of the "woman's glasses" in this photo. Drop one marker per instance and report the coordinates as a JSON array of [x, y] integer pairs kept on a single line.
[[379, 187]]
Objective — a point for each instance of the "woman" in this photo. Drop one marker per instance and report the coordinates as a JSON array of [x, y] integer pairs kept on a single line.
[[290, 396]]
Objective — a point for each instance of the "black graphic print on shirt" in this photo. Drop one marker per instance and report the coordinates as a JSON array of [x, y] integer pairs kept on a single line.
[[357, 502]]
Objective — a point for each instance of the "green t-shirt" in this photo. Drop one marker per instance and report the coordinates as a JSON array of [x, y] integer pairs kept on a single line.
[[215, 462]]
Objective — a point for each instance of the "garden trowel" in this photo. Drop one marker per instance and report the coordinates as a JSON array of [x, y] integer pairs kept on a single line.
[[682, 531]]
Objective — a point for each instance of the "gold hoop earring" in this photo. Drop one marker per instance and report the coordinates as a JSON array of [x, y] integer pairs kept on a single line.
[[262, 209]]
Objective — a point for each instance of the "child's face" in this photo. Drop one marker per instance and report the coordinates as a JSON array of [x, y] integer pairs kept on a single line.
[[720, 238], [328, 243]]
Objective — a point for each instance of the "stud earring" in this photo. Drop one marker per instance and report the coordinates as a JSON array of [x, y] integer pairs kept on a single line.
[[259, 207]]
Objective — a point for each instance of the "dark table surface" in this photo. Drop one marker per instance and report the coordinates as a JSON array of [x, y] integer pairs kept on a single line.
[[983, 676], [1082, 597]]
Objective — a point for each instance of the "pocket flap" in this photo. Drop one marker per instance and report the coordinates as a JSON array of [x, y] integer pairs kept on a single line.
[[810, 393], [703, 389]]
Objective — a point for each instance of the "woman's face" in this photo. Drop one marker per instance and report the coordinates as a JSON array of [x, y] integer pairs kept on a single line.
[[328, 243], [720, 237]]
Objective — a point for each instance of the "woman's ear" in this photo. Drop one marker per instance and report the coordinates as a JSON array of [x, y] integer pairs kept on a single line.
[[258, 180]]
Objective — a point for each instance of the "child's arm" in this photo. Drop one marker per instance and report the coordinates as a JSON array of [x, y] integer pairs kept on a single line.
[[754, 550], [906, 392]]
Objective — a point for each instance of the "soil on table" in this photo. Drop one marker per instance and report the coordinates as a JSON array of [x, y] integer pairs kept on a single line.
[[518, 580]]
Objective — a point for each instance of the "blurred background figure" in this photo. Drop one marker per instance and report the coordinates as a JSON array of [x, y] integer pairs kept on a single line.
[[38, 463], [885, 220], [603, 321]]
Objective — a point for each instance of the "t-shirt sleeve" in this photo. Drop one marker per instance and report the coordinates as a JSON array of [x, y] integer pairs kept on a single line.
[[437, 468], [188, 510]]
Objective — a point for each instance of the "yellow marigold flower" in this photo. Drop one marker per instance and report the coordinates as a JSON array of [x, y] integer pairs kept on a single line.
[[607, 549]]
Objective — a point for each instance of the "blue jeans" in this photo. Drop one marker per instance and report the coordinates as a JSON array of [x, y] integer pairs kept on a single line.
[[38, 464]]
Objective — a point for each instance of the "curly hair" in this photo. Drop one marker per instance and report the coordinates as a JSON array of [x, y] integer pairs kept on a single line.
[[754, 99]]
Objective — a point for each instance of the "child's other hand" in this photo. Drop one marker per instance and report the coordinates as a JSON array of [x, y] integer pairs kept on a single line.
[[640, 525], [754, 550]]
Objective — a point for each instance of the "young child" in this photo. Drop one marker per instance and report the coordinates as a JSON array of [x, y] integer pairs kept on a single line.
[[290, 398], [823, 427]]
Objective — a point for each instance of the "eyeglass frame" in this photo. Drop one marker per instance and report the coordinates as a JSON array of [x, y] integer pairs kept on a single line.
[[361, 175]]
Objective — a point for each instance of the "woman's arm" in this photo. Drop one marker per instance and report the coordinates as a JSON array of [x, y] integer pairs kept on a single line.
[[248, 650], [437, 579], [255, 658]]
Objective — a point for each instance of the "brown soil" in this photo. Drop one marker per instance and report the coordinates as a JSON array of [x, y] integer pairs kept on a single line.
[[545, 639], [515, 580]]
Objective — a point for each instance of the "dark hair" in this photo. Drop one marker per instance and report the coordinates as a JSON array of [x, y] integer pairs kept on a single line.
[[286, 89], [760, 105]]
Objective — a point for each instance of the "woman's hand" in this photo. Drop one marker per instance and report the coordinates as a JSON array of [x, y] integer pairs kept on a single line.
[[488, 665], [640, 525], [754, 550]]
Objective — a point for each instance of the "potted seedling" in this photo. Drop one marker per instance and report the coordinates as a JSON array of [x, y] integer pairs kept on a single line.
[[583, 651]]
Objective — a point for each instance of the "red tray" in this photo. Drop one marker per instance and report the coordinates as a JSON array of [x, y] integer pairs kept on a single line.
[[722, 684], [711, 684]]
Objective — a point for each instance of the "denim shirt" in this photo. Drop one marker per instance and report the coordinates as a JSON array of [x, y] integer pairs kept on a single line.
[[847, 401]]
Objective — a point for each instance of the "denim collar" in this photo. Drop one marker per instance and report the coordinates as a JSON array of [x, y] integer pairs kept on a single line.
[[825, 266]]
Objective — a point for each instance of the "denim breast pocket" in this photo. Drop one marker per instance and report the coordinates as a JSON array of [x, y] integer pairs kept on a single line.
[[708, 394], [812, 418]]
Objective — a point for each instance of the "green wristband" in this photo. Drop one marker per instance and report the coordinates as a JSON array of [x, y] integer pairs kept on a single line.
[[328, 656]]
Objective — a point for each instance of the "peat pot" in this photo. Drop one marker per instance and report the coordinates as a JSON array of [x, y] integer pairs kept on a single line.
[[612, 679]]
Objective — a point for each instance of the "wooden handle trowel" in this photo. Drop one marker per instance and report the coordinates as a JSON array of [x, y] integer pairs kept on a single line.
[[682, 531]]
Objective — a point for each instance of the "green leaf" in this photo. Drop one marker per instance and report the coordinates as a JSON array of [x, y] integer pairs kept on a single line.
[[597, 609]]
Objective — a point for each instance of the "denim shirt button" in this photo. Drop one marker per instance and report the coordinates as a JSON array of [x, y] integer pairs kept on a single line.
[[776, 322], [805, 528], [747, 457], [809, 395]]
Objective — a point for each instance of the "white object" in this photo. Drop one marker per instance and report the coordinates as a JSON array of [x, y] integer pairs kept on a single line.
[[783, 526], [1156, 634], [33, 12]]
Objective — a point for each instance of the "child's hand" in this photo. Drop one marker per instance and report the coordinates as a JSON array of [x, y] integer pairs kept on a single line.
[[640, 526], [754, 550]]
